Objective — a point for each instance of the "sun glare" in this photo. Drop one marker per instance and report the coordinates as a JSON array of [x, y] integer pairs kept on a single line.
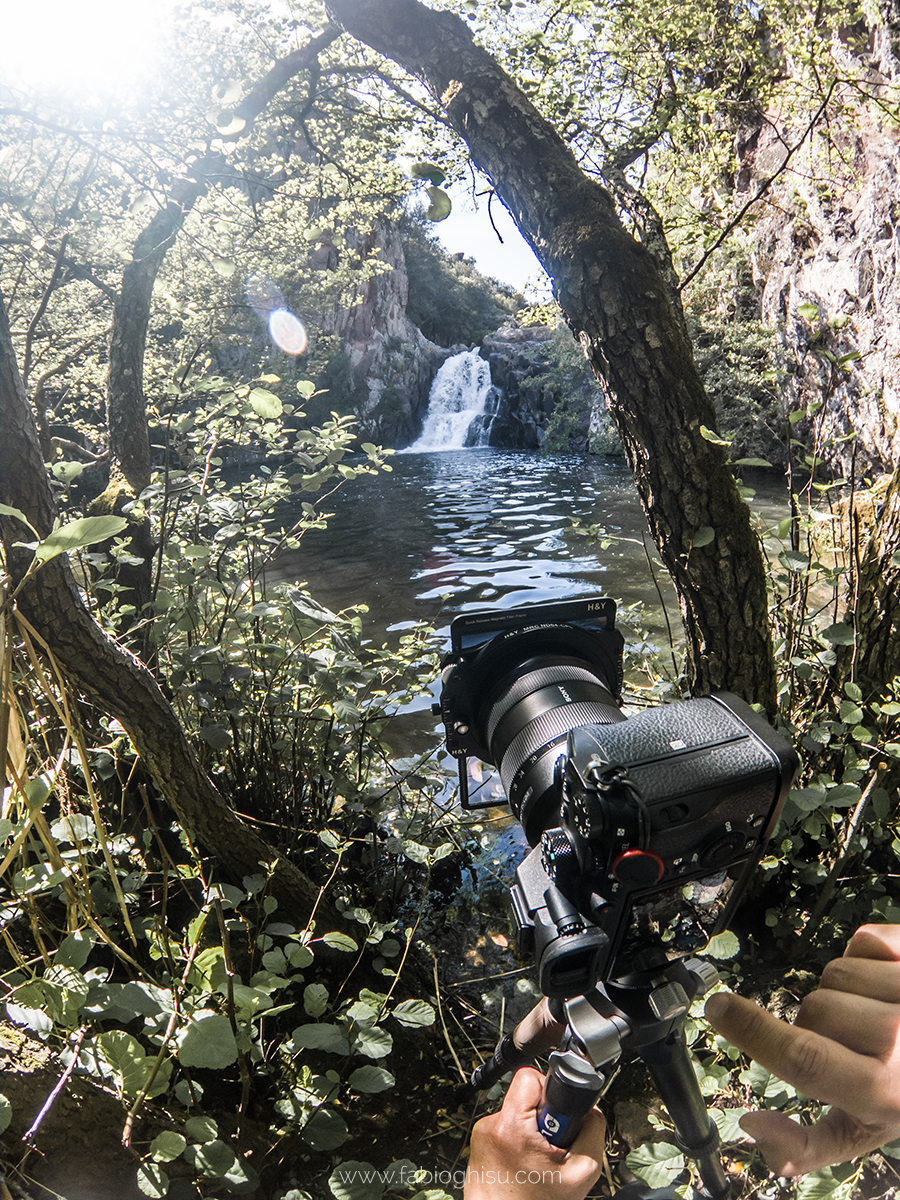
[[97, 46]]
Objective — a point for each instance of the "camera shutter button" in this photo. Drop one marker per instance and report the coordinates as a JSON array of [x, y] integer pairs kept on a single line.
[[639, 867]]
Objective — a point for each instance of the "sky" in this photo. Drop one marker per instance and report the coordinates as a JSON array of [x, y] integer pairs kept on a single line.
[[468, 230], [94, 44]]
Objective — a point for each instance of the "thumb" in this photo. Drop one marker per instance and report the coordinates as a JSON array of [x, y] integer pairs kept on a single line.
[[792, 1149], [782, 1142]]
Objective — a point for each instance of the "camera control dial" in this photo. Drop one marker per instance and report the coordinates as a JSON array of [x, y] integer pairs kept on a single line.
[[639, 868]]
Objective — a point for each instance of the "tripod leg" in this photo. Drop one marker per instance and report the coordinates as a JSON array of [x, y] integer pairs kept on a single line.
[[669, 1063], [537, 1033]]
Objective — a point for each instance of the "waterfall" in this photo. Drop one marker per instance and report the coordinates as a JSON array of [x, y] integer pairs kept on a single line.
[[458, 398]]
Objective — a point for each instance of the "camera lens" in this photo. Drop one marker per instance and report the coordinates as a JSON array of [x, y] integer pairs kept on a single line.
[[530, 701]]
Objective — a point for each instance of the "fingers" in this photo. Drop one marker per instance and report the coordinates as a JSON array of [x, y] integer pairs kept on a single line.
[[526, 1091], [815, 1065], [878, 979], [792, 1149], [875, 941], [863, 1025]]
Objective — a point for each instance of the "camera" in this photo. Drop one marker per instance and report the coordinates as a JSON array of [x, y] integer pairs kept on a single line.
[[644, 830]]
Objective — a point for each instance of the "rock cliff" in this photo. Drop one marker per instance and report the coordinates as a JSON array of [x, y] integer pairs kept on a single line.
[[825, 256], [388, 364]]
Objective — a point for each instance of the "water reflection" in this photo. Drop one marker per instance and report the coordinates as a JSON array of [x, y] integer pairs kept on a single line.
[[458, 530]]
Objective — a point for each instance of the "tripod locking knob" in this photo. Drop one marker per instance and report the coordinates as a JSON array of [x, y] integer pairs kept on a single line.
[[669, 1001], [704, 972]]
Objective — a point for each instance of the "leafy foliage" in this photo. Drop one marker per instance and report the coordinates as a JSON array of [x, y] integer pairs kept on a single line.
[[448, 299]]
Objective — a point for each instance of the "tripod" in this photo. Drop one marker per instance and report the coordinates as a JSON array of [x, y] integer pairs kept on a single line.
[[643, 1012]]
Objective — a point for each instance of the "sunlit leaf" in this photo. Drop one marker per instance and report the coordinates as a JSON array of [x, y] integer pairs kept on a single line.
[[75, 535], [414, 1013], [709, 435], [152, 1180], [208, 1042], [265, 404], [425, 170], [228, 125], [441, 205]]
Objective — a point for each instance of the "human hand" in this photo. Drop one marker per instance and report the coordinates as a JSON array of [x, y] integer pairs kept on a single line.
[[843, 1049], [511, 1160]]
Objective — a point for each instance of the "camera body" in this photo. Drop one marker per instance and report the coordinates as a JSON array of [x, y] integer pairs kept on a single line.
[[636, 824]]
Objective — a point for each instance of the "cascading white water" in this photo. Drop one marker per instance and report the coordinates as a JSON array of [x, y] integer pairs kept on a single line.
[[458, 396]]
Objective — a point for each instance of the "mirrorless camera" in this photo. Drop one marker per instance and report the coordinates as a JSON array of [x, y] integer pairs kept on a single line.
[[644, 829]]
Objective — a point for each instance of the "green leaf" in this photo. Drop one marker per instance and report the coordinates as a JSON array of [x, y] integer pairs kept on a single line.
[[129, 1065], [413, 1013], [214, 1158], [208, 1042], [201, 1129], [657, 1163], [703, 536], [728, 1122], [372, 1042], [843, 795], [224, 267], [265, 404], [829, 1183], [839, 635], [74, 950], [426, 170], [751, 462], [340, 941], [307, 607], [794, 560], [710, 435], [306, 388], [724, 945], [65, 472], [809, 312], [325, 1130], [167, 1146], [356, 1181], [321, 1037], [371, 1079], [315, 999], [75, 535], [6, 1113], [441, 205], [152, 1180], [7, 511], [216, 736]]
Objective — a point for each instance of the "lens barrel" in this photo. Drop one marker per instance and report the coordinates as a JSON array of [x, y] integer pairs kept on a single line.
[[528, 703]]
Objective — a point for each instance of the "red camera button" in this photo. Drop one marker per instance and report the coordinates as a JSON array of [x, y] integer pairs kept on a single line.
[[638, 867]]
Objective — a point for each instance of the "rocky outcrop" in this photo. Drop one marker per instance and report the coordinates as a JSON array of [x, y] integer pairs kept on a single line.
[[825, 259], [532, 384], [387, 363]]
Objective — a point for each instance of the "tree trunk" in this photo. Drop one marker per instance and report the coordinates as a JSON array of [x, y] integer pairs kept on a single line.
[[877, 619], [110, 677], [616, 303]]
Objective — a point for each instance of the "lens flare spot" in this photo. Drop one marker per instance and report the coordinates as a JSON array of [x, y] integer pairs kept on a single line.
[[288, 332]]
